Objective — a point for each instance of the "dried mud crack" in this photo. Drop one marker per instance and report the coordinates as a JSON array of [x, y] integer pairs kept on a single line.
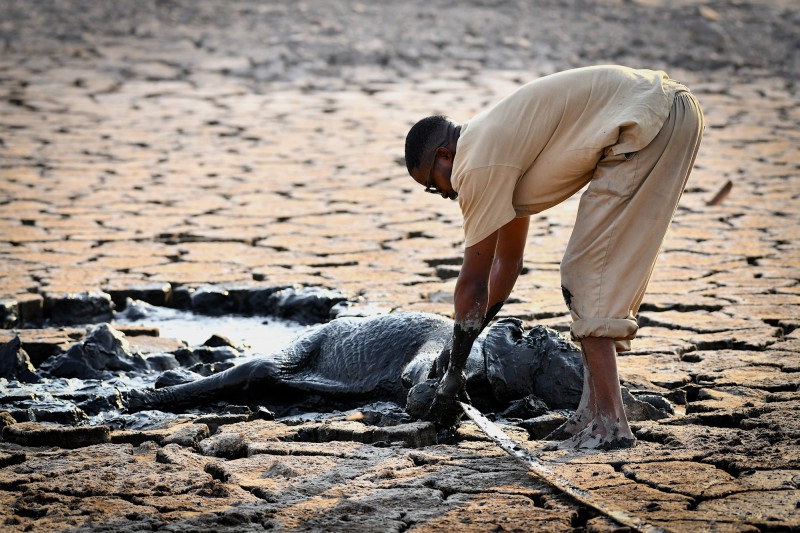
[[248, 160]]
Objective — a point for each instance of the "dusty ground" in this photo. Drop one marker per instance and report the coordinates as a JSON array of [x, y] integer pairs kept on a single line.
[[258, 143]]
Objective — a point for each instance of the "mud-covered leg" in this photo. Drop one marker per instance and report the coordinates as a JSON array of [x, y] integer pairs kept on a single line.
[[230, 383], [582, 414], [607, 428]]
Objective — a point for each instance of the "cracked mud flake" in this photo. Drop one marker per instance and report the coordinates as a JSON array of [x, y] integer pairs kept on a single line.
[[721, 360], [110, 480], [739, 457], [683, 477], [256, 431], [54, 512], [691, 441], [693, 260], [771, 479], [687, 302], [710, 322], [103, 468], [782, 420], [185, 458], [705, 482], [654, 371], [451, 479], [763, 508], [644, 452], [760, 377], [641, 498], [272, 477], [660, 341], [338, 449], [367, 510], [592, 476], [744, 339], [726, 398], [503, 512], [757, 370], [204, 497]]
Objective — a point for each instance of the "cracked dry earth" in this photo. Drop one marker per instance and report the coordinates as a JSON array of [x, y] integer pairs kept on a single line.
[[175, 144]]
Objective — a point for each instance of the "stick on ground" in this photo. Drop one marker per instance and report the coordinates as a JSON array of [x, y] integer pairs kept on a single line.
[[551, 478]]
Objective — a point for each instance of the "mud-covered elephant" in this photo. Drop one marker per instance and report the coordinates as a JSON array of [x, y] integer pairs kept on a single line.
[[357, 360]]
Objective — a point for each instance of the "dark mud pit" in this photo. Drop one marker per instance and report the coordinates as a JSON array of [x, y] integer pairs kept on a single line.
[[358, 379], [389, 362], [86, 383], [319, 411]]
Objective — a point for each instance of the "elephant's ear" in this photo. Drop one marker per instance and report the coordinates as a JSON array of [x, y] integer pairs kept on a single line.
[[510, 362], [303, 350], [504, 332]]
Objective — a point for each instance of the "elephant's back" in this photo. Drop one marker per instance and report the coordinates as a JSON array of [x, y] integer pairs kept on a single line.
[[366, 354]]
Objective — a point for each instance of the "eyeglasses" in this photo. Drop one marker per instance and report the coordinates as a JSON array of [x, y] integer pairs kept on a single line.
[[429, 186]]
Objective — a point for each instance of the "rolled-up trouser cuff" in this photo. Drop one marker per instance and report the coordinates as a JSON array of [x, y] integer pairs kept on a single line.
[[622, 330]]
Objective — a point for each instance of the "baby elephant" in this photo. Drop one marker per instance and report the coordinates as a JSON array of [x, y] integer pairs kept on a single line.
[[351, 361]]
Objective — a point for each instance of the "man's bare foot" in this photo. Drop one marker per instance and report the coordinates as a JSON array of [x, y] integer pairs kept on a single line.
[[601, 433], [582, 415], [579, 420]]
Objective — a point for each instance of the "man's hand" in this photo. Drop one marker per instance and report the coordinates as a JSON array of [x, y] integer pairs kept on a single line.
[[445, 411], [499, 257]]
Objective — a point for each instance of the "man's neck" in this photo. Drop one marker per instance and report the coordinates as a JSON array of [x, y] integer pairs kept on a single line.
[[453, 134]]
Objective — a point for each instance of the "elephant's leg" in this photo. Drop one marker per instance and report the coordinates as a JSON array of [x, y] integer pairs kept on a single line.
[[231, 384]]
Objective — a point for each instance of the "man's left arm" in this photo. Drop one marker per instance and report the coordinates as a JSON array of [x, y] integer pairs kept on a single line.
[[471, 299], [488, 274]]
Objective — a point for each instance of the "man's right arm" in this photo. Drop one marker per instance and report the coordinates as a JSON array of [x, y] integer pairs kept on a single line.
[[488, 274]]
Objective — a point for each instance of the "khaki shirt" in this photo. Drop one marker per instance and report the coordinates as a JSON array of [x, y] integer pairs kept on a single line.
[[541, 144]]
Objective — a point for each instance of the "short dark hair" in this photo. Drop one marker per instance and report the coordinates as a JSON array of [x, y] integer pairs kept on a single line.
[[421, 137]]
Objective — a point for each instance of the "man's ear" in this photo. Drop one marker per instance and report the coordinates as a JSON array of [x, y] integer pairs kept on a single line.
[[445, 158], [445, 153]]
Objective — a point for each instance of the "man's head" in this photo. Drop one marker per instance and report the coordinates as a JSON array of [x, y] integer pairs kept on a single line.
[[430, 149]]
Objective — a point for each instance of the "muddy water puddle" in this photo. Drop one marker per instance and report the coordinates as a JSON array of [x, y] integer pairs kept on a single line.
[[259, 335], [74, 400]]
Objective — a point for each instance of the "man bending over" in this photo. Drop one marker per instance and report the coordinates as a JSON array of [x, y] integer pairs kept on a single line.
[[632, 135]]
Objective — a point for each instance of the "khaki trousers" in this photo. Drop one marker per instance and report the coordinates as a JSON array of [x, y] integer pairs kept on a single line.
[[622, 219]]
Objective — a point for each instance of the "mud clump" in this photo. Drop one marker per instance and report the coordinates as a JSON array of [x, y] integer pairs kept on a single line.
[[15, 363], [36, 435], [79, 308], [103, 352]]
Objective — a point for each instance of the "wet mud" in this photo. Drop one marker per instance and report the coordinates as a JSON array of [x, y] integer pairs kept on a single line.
[[195, 154], [341, 364], [386, 357]]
